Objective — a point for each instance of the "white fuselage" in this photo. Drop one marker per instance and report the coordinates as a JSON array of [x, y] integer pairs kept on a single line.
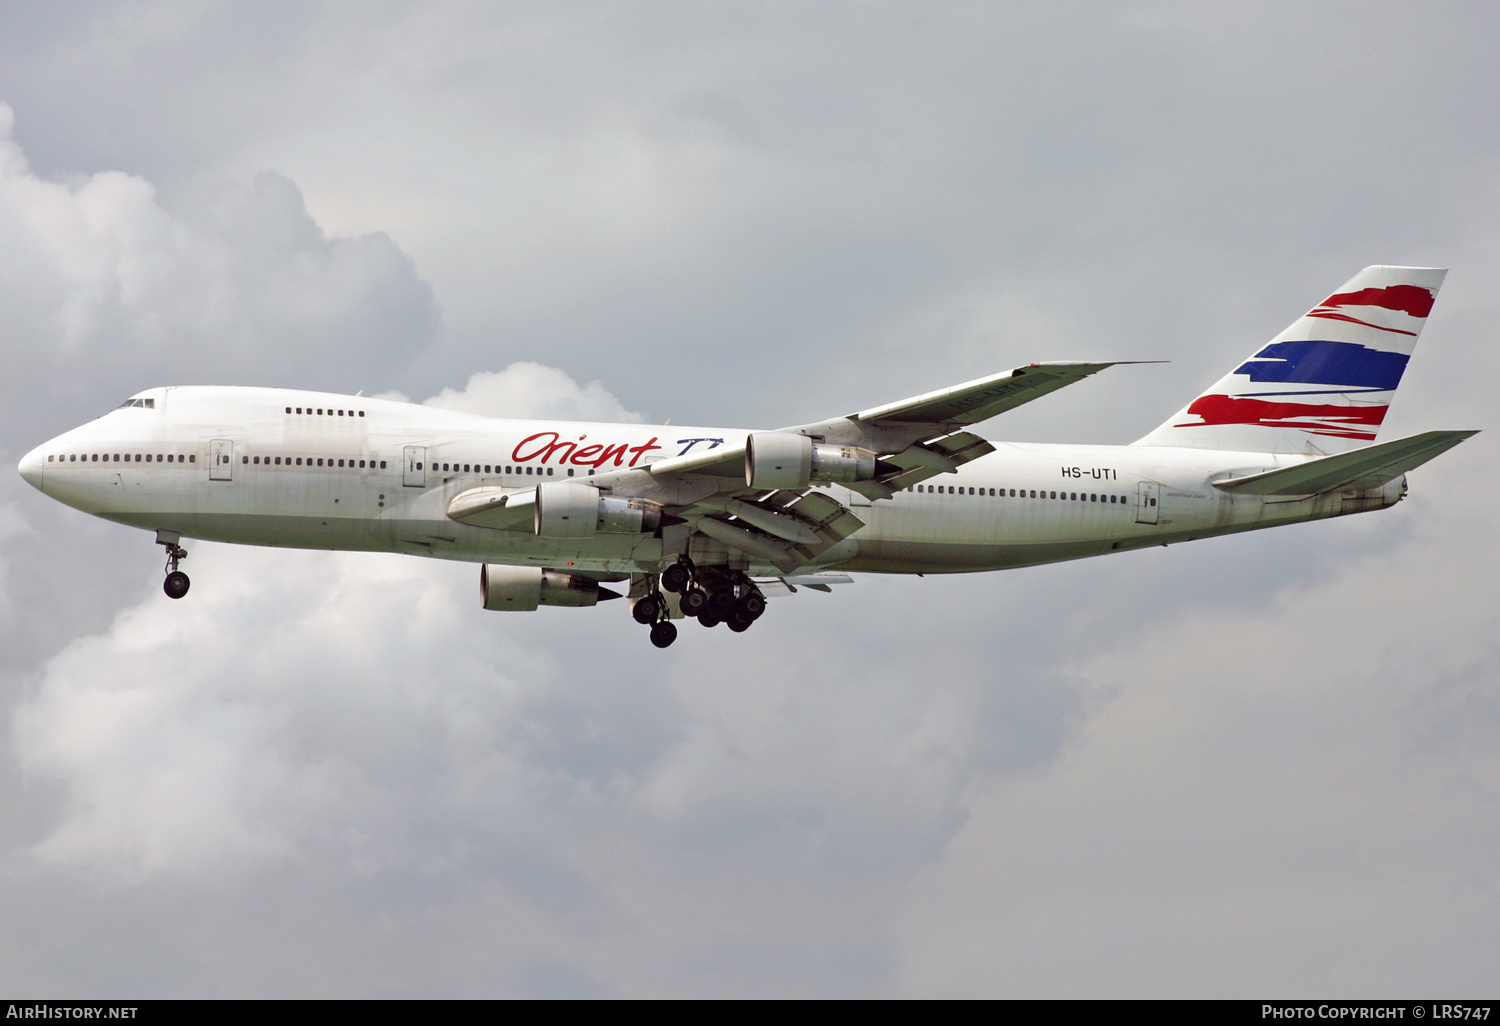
[[231, 464]]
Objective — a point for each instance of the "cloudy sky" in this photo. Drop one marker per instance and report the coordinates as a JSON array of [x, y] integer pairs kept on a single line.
[[1265, 765]]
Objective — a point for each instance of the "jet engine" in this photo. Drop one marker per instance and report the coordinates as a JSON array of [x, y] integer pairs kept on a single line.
[[523, 588], [778, 459], [566, 509]]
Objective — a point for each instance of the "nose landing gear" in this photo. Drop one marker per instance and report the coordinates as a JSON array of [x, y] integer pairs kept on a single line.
[[176, 585]]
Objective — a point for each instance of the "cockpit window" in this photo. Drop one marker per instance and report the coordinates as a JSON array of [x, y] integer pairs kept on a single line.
[[145, 404]]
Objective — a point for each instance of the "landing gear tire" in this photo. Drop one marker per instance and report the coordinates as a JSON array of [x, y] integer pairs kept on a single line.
[[708, 620], [676, 577], [176, 585], [722, 602], [694, 601], [740, 621], [647, 609], [663, 633], [753, 605]]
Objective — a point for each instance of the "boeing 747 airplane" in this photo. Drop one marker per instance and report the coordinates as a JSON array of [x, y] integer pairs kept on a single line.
[[709, 522]]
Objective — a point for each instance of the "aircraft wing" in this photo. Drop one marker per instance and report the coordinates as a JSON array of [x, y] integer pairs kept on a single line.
[[947, 408], [912, 440], [983, 398]]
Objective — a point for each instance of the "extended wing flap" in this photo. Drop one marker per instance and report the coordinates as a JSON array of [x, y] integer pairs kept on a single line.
[[1362, 468], [935, 456], [779, 587]]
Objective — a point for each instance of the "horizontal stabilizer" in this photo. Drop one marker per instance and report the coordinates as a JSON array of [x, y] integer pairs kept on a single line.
[[1369, 467]]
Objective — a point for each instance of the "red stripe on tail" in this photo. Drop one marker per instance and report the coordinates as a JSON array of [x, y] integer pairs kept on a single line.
[[1411, 299], [1339, 421]]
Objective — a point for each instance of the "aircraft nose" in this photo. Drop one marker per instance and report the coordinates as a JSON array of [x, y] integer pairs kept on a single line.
[[31, 467]]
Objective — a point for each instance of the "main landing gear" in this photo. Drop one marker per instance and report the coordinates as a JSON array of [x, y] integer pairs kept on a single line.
[[176, 585], [713, 595]]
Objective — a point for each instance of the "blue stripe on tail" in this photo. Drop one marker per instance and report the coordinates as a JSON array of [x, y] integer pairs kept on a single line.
[[1326, 363]]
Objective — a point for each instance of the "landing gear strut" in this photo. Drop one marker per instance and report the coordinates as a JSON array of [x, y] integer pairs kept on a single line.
[[176, 585]]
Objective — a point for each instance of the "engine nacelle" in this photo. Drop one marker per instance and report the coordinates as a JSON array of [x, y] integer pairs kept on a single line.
[[778, 459], [523, 588], [842, 463], [567, 509]]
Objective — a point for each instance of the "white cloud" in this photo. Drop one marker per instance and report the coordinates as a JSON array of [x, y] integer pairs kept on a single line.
[[533, 390], [101, 283], [196, 752]]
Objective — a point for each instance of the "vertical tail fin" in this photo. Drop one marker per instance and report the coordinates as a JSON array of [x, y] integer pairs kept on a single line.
[[1324, 384]]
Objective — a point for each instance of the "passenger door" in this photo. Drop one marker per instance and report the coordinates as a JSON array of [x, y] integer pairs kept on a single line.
[[414, 466], [1147, 509], [221, 459]]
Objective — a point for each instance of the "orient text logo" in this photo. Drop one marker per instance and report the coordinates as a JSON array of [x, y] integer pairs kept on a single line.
[[547, 446]]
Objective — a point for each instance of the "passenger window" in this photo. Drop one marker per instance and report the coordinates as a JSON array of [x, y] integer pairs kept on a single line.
[[341, 413], [549, 471], [246, 459], [361, 413], [570, 471], [320, 411], [299, 409], [382, 465], [289, 409]]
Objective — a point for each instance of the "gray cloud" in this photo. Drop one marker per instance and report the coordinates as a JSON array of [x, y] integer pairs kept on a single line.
[[1254, 765]]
